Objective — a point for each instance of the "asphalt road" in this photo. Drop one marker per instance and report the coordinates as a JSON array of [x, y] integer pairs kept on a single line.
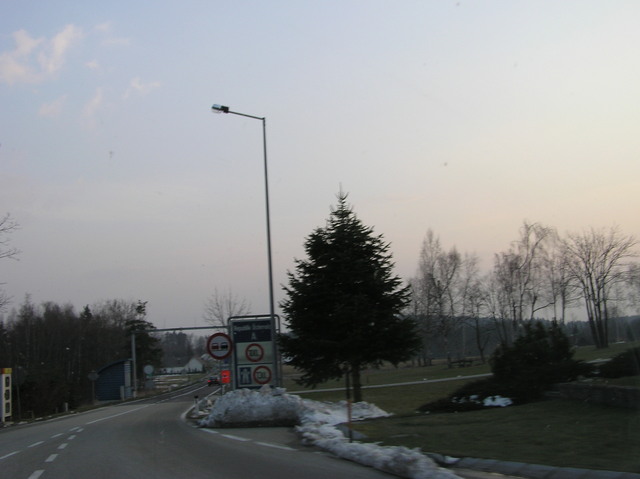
[[150, 439]]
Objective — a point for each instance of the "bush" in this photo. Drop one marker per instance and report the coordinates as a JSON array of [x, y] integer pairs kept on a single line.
[[627, 363], [536, 361]]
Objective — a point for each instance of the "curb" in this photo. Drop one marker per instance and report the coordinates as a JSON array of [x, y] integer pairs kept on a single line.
[[537, 471]]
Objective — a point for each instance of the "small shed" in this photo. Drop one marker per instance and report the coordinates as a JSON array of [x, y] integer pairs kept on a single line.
[[114, 381]]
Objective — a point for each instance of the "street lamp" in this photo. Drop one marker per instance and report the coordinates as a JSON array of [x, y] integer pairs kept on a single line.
[[225, 109]]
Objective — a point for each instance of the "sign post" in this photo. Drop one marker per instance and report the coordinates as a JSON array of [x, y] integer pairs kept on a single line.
[[254, 352]]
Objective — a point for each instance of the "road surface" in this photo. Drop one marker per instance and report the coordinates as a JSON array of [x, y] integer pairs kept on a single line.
[[149, 439]]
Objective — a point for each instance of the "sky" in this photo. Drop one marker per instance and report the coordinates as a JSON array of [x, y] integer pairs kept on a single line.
[[463, 117]]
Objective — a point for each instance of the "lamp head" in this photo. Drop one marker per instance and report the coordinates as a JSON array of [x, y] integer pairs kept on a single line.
[[220, 109]]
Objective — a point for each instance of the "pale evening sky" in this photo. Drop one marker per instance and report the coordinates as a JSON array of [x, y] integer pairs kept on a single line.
[[465, 117]]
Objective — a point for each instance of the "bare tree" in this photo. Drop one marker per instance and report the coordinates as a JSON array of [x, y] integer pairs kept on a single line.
[[474, 299], [7, 226], [562, 290], [438, 287], [633, 293], [518, 275], [219, 307], [597, 263]]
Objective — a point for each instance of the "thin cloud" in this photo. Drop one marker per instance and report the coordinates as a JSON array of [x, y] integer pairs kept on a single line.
[[93, 105], [54, 108], [136, 86], [14, 65], [34, 60], [116, 41], [92, 65], [53, 57], [105, 29]]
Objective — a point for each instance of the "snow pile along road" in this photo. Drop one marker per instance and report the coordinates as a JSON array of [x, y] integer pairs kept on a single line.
[[316, 423]]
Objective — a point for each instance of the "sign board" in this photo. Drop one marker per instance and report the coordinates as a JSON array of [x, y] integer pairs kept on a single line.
[[5, 394], [219, 346], [253, 351], [225, 376]]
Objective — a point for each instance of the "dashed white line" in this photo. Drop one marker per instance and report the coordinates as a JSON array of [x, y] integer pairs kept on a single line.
[[235, 438], [276, 446], [56, 435], [244, 439], [51, 458], [62, 446], [116, 415], [36, 444], [36, 474], [9, 455], [72, 437]]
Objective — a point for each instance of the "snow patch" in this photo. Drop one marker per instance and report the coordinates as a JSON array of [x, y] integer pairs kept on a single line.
[[489, 401], [316, 426]]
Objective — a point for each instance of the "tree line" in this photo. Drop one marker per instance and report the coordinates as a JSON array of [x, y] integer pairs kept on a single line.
[[542, 275], [52, 349], [346, 310]]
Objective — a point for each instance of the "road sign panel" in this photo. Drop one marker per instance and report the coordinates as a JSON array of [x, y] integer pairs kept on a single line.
[[254, 351]]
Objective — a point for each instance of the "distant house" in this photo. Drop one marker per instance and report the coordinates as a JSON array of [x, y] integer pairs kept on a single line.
[[195, 365]]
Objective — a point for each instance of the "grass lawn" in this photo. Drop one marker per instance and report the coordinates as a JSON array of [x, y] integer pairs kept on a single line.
[[554, 432]]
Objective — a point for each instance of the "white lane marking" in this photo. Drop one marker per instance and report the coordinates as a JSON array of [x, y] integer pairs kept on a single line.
[[210, 431], [235, 438], [51, 458], [56, 435], [62, 446], [71, 438], [36, 444], [74, 428], [116, 415], [9, 455], [36, 474], [276, 446], [80, 429]]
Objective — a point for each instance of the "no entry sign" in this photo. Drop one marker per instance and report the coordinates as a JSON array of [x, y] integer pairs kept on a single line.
[[219, 346]]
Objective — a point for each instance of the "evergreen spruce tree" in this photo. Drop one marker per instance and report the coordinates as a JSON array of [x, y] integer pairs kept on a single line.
[[344, 305]]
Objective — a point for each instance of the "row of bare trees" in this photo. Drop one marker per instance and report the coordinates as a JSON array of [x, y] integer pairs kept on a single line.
[[541, 275]]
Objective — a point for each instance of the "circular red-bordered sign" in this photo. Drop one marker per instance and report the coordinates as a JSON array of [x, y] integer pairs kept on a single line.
[[254, 353], [219, 346], [262, 375]]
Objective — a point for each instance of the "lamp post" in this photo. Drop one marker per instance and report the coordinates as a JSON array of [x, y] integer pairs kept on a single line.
[[225, 109]]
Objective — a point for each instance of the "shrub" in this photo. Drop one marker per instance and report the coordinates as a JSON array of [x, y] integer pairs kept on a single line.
[[627, 363], [539, 358]]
